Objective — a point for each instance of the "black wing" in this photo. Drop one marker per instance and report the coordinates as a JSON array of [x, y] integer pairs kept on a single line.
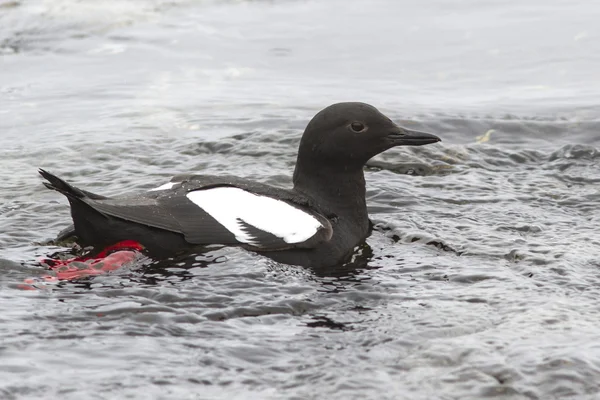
[[171, 210]]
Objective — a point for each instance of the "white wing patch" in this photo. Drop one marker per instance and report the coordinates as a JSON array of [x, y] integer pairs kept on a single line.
[[228, 205], [166, 186]]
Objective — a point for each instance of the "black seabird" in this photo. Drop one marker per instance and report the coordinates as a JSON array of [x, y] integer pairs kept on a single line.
[[315, 224]]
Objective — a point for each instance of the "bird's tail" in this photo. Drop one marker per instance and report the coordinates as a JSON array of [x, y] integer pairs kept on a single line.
[[55, 183]]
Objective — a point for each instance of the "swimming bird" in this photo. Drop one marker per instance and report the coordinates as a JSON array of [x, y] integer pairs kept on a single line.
[[317, 223]]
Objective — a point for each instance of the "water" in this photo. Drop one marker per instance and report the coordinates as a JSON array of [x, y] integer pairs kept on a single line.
[[481, 279]]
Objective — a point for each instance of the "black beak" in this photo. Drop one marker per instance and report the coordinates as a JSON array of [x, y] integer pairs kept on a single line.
[[407, 137]]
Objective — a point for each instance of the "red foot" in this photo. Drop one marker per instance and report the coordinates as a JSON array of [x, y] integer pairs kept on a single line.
[[109, 259]]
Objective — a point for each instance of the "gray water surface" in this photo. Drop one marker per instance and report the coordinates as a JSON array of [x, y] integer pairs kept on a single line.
[[481, 279]]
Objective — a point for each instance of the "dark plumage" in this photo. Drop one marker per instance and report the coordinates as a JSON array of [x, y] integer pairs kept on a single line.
[[316, 224]]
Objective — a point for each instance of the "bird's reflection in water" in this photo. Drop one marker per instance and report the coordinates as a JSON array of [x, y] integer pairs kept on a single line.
[[333, 277]]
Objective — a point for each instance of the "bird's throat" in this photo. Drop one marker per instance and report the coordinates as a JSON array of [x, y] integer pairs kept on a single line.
[[335, 188]]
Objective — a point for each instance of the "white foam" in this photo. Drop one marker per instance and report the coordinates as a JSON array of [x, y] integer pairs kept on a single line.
[[228, 204], [166, 186]]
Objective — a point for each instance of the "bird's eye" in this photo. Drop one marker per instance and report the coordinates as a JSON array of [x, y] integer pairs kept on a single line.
[[357, 126]]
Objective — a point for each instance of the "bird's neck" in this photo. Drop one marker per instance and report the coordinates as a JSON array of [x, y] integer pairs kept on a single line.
[[341, 190]]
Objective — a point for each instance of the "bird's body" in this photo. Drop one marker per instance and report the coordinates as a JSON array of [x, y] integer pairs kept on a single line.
[[317, 223]]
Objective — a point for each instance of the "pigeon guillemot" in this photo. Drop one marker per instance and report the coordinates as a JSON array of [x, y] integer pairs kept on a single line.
[[316, 224]]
